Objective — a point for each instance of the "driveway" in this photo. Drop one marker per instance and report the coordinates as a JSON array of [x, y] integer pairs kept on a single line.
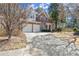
[[23, 51], [31, 35], [26, 51]]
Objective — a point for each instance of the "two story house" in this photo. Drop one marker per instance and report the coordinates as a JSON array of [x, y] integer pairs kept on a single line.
[[37, 21]]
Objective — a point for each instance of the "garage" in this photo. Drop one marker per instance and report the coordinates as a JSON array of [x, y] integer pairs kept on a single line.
[[28, 28], [36, 28], [32, 28]]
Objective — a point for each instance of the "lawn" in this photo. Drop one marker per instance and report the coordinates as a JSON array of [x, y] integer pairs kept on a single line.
[[15, 42]]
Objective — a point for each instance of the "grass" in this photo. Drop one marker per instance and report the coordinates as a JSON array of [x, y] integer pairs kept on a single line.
[[16, 42], [67, 30], [2, 32], [67, 35]]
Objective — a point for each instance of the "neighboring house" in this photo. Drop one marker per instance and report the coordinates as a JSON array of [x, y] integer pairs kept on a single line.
[[37, 21]]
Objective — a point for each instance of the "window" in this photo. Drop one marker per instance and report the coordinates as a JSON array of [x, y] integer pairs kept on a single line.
[[32, 16]]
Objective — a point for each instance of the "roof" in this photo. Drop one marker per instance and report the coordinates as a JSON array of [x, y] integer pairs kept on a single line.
[[39, 14], [43, 17]]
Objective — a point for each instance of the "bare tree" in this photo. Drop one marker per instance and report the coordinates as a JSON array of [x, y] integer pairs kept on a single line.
[[61, 12], [12, 18], [72, 10]]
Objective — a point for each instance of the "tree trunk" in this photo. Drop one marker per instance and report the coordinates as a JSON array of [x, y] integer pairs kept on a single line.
[[55, 25], [9, 37]]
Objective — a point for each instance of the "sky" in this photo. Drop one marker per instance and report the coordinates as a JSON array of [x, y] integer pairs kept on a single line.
[[43, 5], [35, 5]]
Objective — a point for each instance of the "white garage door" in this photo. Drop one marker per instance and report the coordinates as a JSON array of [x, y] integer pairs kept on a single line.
[[36, 28], [28, 28]]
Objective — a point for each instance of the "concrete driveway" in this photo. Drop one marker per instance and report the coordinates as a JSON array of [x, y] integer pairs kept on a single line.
[[23, 51], [31, 35]]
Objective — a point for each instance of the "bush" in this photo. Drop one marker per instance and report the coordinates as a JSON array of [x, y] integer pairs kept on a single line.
[[45, 31], [75, 29], [59, 29]]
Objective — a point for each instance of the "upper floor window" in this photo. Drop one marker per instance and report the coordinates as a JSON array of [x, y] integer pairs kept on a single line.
[[32, 16]]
